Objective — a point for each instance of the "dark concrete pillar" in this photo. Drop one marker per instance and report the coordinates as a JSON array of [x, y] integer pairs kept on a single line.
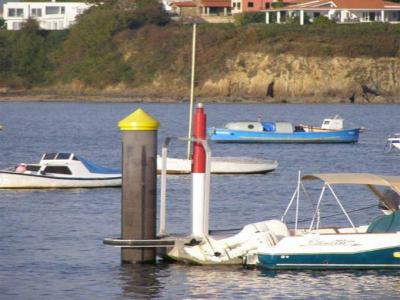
[[139, 179]]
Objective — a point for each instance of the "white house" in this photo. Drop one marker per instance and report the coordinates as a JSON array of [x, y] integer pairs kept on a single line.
[[50, 15], [341, 11]]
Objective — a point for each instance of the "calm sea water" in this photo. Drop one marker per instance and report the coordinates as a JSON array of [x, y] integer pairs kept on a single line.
[[51, 241]]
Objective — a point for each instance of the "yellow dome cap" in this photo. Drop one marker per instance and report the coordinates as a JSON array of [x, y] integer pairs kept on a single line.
[[139, 120]]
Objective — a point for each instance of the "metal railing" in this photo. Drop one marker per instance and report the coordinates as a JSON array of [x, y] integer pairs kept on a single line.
[[163, 188]]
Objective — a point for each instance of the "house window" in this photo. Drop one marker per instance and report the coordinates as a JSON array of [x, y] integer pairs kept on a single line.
[[234, 4], [36, 12], [62, 10], [16, 25], [15, 12], [267, 6], [238, 5], [250, 4], [372, 16], [11, 12], [52, 10]]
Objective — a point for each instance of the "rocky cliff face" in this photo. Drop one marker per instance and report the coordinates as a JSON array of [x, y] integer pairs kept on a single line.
[[270, 78], [315, 78]]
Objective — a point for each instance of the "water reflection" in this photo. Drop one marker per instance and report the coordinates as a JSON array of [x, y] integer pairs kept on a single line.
[[142, 281], [180, 281]]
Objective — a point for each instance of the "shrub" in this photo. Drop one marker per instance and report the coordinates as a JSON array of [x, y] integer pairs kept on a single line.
[[296, 20], [322, 20], [249, 18], [2, 23], [277, 4], [25, 55]]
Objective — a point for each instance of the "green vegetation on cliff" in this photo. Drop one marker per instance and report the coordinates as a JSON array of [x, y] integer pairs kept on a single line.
[[134, 44]]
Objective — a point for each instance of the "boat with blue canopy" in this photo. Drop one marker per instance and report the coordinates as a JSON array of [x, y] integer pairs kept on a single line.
[[331, 131], [59, 170]]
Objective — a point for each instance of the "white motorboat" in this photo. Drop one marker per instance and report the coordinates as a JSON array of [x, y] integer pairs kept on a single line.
[[393, 143], [372, 246], [222, 165], [67, 170], [59, 170], [276, 244]]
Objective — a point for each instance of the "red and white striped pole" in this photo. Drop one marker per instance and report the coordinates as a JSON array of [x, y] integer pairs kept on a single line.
[[199, 223]]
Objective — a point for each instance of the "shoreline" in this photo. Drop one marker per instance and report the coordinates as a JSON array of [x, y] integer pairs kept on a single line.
[[112, 98]]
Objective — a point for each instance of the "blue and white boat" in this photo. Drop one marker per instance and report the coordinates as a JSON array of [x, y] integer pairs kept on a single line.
[[331, 131], [59, 170], [372, 246]]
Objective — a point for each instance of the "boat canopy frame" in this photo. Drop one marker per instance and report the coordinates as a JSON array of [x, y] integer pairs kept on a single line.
[[329, 179]]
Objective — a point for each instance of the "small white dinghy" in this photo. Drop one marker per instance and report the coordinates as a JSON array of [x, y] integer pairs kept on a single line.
[[222, 165], [59, 170], [393, 143]]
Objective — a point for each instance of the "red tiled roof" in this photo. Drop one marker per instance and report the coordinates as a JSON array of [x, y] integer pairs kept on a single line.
[[284, 1], [216, 3], [364, 3], [345, 4], [184, 4]]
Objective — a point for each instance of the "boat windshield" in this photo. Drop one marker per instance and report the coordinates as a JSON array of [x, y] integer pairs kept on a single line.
[[56, 156], [49, 156], [63, 155]]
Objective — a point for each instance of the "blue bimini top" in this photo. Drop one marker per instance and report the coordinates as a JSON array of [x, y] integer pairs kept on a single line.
[[93, 168]]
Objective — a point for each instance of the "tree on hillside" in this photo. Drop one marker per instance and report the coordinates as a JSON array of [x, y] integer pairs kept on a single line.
[[91, 53], [149, 12], [28, 60]]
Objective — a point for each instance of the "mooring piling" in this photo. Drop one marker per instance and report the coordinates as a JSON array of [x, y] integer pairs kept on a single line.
[[199, 206], [139, 180]]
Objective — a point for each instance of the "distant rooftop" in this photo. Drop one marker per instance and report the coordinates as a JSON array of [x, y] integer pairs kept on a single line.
[[345, 4]]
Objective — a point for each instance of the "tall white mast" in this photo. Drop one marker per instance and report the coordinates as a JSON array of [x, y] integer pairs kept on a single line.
[[191, 92]]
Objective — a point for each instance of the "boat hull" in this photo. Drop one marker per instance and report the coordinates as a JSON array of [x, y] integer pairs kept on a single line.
[[238, 136], [9, 180], [12, 180], [221, 165], [374, 259], [344, 251]]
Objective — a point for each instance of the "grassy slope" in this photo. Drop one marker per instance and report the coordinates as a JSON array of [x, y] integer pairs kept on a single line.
[[152, 49], [137, 57]]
